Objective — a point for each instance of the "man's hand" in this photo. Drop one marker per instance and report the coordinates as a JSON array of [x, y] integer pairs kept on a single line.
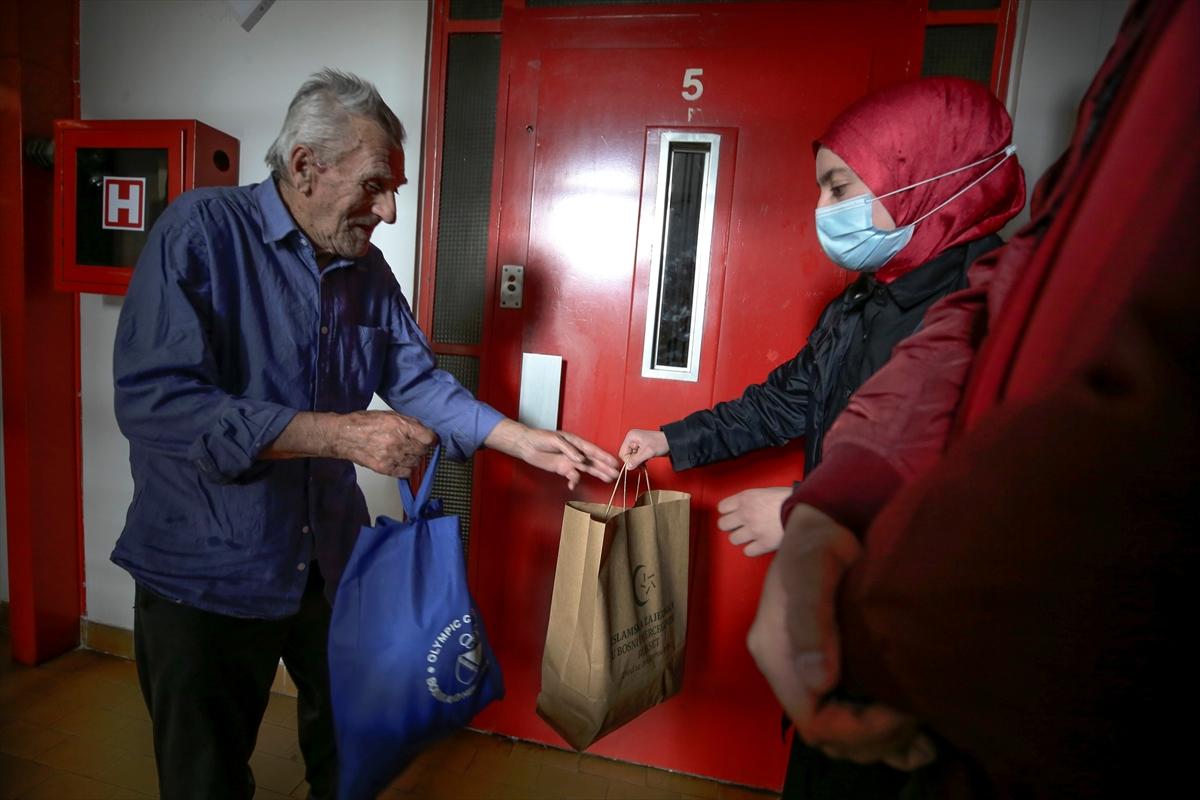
[[554, 451], [753, 518], [794, 641], [640, 446], [382, 441]]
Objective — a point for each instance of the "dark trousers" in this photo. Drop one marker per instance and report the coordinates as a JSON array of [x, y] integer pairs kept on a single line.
[[206, 679]]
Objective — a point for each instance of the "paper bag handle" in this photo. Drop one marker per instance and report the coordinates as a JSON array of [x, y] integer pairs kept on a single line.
[[623, 480], [649, 491]]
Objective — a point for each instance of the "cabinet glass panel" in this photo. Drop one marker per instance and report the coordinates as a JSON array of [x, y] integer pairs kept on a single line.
[[120, 193]]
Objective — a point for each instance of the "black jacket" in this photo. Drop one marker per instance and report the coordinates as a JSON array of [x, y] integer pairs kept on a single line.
[[853, 338]]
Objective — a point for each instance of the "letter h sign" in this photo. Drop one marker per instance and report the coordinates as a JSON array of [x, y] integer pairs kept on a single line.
[[124, 204]]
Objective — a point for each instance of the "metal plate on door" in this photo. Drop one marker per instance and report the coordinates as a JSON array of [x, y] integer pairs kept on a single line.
[[512, 285]]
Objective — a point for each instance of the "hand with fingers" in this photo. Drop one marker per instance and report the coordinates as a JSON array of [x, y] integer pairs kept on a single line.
[[794, 641], [639, 446], [752, 517], [383, 441], [559, 452]]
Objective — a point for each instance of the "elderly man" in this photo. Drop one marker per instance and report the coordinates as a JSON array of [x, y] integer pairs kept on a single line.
[[258, 325]]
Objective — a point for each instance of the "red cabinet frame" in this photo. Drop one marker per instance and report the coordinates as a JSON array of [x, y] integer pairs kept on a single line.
[[197, 155]]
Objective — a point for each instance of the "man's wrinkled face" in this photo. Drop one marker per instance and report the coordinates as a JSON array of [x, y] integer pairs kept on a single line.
[[355, 193]]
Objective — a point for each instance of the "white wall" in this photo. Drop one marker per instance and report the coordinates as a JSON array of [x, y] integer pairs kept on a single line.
[[1060, 44], [190, 59]]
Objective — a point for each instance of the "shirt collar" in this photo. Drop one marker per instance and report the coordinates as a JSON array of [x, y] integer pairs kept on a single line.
[[277, 220]]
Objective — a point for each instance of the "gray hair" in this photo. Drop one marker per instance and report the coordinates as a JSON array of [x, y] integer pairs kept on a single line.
[[320, 113]]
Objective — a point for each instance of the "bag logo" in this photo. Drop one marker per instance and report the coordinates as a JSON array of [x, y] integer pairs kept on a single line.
[[643, 584], [446, 684], [466, 668]]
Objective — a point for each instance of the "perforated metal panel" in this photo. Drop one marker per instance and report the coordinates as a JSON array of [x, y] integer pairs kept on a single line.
[[964, 51], [464, 368], [452, 482], [475, 9], [472, 70]]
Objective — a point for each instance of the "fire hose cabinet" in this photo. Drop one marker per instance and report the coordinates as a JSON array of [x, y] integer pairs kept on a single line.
[[113, 179]]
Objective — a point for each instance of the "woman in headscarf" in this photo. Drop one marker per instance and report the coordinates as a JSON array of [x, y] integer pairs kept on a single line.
[[915, 180]]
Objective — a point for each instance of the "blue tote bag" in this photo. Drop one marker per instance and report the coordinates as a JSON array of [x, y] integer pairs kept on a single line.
[[408, 659]]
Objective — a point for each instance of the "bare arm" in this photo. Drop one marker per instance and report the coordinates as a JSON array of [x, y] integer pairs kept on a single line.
[[554, 451], [382, 441]]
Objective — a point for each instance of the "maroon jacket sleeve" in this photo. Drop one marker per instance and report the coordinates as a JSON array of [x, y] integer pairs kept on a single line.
[[897, 424]]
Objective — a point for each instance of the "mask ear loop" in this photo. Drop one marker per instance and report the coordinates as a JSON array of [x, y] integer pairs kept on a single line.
[[966, 188], [1006, 152], [868, 198]]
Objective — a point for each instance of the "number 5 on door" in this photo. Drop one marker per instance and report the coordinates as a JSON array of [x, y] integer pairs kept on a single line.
[[692, 85]]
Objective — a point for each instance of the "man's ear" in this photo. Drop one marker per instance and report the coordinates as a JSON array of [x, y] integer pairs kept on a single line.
[[302, 168]]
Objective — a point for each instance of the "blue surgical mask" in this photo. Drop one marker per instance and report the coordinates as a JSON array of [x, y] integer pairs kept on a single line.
[[850, 239], [848, 234]]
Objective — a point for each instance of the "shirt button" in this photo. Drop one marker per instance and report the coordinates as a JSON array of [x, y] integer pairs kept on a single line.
[[304, 529], [301, 566], [324, 329]]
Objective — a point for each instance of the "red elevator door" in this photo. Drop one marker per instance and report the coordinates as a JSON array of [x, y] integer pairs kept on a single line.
[[586, 102]]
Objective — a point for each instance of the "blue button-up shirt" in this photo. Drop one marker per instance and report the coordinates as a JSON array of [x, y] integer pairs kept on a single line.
[[227, 331]]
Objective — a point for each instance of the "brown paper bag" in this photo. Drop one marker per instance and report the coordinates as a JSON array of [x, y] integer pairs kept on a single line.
[[618, 617]]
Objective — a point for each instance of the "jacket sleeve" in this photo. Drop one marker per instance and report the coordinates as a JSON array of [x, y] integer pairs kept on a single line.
[[771, 413], [898, 423], [168, 397]]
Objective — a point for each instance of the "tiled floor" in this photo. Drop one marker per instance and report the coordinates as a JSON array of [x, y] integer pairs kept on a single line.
[[76, 728]]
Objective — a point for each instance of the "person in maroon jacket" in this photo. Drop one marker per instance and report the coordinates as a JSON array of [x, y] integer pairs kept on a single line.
[[1020, 608]]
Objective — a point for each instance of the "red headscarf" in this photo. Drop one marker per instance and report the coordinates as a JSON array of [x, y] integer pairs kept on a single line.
[[912, 131]]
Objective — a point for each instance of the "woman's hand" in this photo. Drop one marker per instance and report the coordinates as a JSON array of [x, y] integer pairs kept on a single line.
[[752, 517], [640, 446]]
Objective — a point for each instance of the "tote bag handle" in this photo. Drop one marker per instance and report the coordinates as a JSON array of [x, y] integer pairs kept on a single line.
[[415, 507]]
